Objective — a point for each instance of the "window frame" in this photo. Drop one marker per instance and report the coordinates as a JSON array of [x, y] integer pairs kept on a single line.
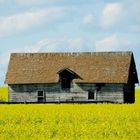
[[94, 96], [41, 96]]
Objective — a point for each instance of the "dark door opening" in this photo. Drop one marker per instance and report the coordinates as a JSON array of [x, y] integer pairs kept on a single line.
[[40, 99], [41, 96]]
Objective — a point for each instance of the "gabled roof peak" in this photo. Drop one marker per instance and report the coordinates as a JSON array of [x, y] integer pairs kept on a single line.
[[66, 69]]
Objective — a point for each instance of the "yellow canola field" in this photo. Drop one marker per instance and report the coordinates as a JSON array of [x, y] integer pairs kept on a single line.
[[3, 94], [70, 121]]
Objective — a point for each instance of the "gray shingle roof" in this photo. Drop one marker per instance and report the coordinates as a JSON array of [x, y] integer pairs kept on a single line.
[[92, 67]]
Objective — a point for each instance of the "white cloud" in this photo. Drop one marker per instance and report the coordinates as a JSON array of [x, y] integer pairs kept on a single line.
[[113, 43], [132, 12], [112, 14], [59, 45], [29, 1], [33, 2], [88, 19], [23, 21], [50, 45], [122, 16]]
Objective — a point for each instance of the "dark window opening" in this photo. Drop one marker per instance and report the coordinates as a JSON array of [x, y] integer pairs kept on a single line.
[[65, 83], [41, 97], [40, 93], [91, 95]]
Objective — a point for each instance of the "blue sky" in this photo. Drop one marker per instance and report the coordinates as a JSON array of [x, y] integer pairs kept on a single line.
[[68, 26]]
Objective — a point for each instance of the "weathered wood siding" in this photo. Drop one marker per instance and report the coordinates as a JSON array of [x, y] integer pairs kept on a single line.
[[77, 92], [111, 92]]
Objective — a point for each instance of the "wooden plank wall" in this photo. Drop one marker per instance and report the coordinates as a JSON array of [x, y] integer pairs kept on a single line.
[[53, 92]]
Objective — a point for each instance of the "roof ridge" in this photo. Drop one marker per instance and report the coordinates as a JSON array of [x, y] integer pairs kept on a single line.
[[73, 53]]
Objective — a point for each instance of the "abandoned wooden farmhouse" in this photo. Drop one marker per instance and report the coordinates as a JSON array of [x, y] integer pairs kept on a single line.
[[72, 77]]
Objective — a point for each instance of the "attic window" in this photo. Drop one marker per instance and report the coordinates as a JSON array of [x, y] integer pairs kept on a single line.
[[66, 76], [65, 83]]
